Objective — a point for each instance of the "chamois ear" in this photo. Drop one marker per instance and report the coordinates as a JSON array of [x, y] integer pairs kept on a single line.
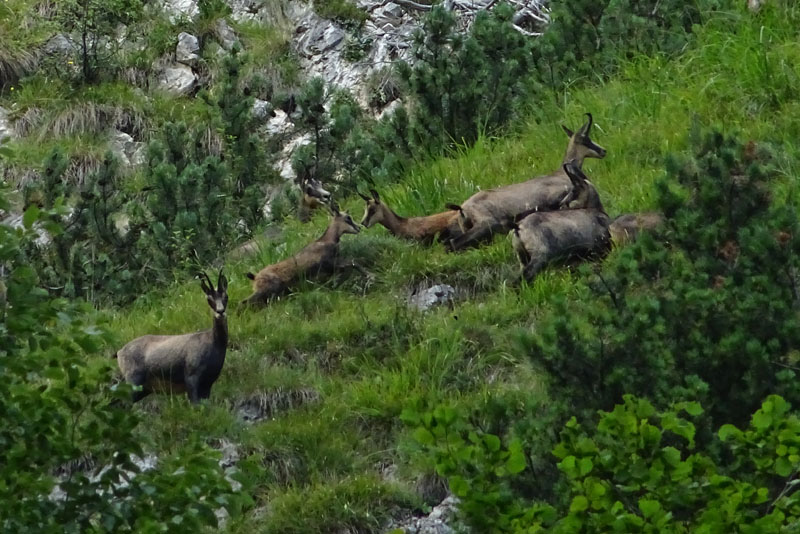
[[576, 175], [334, 208], [222, 283], [569, 132], [588, 126], [205, 283], [375, 195]]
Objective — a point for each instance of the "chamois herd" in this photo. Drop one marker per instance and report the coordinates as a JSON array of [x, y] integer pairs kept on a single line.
[[554, 217]]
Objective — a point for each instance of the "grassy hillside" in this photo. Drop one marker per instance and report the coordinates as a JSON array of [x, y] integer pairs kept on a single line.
[[335, 363]]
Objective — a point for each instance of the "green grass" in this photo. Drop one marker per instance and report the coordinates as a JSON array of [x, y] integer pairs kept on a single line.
[[350, 356]]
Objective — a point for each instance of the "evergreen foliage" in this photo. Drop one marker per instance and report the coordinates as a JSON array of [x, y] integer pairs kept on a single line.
[[588, 39], [68, 443], [707, 313], [187, 214], [244, 152], [466, 85]]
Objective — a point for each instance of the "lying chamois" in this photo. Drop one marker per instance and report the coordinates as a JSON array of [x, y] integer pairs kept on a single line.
[[626, 228], [188, 362], [494, 210], [314, 196], [315, 258], [541, 237], [424, 229]]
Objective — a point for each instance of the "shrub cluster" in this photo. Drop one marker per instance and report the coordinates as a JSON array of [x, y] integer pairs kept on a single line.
[[68, 446]]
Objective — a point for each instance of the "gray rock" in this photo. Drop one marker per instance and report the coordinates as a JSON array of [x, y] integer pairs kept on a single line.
[[177, 9], [437, 295], [226, 34], [188, 48], [60, 45], [6, 128], [279, 124], [242, 10], [178, 80], [437, 522], [128, 150], [391, 14], [262, 109]]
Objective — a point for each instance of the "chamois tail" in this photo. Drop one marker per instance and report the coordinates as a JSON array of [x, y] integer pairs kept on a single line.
[[454, 207], [251, 276]]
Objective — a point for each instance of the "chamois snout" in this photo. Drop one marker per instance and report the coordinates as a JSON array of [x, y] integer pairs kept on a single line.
[[313, 188]]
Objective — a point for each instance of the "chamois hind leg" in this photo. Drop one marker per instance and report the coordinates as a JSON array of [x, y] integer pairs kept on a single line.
[[472, 238]]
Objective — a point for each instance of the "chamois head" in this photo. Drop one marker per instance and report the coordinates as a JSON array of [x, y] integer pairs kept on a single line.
[[342, 223], [375, 209], [583, 195], [580, 144], [217, 298], [313, 192]]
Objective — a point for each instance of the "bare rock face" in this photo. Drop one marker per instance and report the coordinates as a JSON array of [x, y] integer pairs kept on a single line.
[[178, 80], [177, 9], [322, 44], [188, 49], [225, 34]]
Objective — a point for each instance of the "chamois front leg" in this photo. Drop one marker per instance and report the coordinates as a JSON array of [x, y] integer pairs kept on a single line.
[[193, 388], [138, 379], [530, 270]]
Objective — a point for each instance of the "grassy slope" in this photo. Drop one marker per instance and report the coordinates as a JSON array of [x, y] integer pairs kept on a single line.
[[321, 466]]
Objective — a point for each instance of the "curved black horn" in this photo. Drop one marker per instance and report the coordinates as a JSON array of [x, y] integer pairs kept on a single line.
[[375, 194], [363, 196], [588, 124]]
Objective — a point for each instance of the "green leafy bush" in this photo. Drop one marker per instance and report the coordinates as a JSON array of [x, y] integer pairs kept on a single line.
[[95, 22], [640, 471], [68, 442]]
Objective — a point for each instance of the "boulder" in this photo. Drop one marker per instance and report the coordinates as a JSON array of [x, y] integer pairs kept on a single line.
[[188, 49], [128, 150], [262, 110], [178, 80], [60, 45], [425, 299], [390, 14]]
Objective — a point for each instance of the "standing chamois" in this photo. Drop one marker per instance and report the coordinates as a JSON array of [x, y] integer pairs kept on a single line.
[[423, 229], [494, 210], [319, 257], [541, 237], [313, 196], [188, 362]]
